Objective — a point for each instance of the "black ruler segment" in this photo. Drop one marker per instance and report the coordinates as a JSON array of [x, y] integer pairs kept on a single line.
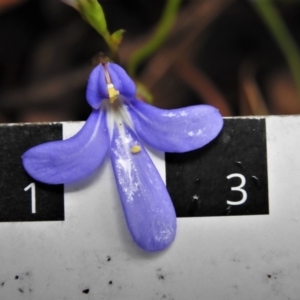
[[38, 202], [226, 177]]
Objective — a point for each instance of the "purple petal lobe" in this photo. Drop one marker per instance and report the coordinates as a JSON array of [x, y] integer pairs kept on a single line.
[[122, 82], [175, 130], [97, 86], [72, 159], [146, 203]]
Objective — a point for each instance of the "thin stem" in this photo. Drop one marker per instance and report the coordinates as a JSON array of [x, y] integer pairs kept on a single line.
[[112, 46], [162, 30], [92, 12], [282, 36]]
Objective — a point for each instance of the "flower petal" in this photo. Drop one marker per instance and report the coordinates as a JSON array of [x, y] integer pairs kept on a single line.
[[122, 82], [72, 159], [97, 86], [148, 209], [175, 130]]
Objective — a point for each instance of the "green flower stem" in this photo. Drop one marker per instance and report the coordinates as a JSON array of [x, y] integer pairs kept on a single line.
[[92, 12], [112, 46], [282, 35], [163, 28]]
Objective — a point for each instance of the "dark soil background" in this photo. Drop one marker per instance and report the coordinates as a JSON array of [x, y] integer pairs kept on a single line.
[[219, 52]]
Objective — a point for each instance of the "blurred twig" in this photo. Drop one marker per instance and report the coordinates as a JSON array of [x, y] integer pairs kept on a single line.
[[190, 24], [251, 99], [201, 84], [282, 91], [198, 16], [282, 35], [162, 30], [45, 91], [56, 44], [9, 4]]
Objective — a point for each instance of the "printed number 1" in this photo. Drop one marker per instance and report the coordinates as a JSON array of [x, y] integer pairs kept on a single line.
[[33, 197], [238, 188]]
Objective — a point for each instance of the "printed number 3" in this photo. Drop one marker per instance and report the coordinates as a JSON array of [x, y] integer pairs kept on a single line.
[[33, 197], [238, 188]]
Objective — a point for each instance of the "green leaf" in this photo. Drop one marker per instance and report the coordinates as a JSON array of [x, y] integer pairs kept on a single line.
[[117, 36], [92, 13]]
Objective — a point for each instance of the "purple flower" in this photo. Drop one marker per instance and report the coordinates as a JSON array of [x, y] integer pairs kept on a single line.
[[119, 123]]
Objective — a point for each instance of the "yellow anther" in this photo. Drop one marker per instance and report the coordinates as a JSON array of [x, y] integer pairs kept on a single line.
[[135, 149], [112, 93]]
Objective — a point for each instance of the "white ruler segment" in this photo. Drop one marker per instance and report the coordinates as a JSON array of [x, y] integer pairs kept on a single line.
[[91, 255]]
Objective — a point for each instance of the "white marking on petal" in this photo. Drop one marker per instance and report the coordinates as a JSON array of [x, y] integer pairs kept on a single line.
[[199, 132], [183, 113], [193, 133], [124, 164], [164, 235], [116, 114], [169, 114]]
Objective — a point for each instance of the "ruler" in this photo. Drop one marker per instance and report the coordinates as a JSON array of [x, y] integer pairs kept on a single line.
[[237, 202]]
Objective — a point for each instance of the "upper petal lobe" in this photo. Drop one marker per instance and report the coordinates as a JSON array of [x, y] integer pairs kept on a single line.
[[96, 89], [122, 82], [97, 86], [72, 159]]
